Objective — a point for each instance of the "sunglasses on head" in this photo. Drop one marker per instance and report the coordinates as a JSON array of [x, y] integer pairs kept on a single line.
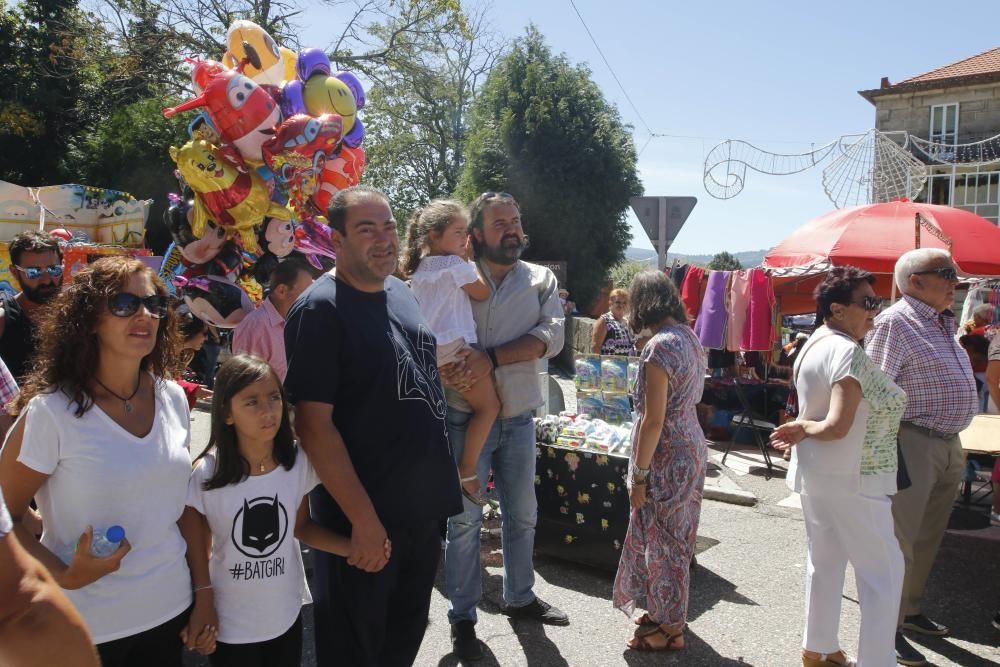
[[35, 272], [946, 272], [125, 304]]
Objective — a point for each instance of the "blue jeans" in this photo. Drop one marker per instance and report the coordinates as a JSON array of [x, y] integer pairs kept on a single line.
[[510, 452]]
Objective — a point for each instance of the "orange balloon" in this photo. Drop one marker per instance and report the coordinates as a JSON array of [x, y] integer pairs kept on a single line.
[[342, 170]]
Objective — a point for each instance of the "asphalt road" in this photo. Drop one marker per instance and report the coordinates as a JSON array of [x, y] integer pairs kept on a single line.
[[746, 597]]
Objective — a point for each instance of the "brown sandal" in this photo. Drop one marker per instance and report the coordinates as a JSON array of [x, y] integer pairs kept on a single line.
[[642, 643]]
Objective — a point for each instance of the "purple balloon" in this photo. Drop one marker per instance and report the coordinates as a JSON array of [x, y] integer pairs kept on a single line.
[[290, 98], [356, 135], [312, 61], [355, 85]]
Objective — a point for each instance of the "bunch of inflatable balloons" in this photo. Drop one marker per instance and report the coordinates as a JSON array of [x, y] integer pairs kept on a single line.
[[276, 136]]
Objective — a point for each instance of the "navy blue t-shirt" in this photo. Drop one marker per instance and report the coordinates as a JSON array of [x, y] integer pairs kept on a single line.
[[373, 357]]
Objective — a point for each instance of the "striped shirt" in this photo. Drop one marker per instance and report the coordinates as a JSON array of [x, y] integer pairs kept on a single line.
[[8, 387], [915, 347]]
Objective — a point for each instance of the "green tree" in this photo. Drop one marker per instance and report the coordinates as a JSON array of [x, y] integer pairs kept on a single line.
[[622, 274], [542, 130], [724, 261], [416, 119]]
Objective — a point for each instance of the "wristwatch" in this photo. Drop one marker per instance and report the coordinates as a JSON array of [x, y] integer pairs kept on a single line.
[[639, 475]]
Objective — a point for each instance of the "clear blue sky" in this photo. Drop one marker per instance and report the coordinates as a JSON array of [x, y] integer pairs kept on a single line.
[[783, 75]]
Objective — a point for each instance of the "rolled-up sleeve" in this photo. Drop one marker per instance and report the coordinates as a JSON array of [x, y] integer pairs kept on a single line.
[[551, 327]]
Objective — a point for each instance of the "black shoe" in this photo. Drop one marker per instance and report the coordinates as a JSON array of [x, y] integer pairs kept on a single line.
[[996, 620], [464, 644], [906, 654], [925, 626], [539, 611]]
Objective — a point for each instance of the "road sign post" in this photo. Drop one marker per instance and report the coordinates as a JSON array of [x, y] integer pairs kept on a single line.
[[662, 219]]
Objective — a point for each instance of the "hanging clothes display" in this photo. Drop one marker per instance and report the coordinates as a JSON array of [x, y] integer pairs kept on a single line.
[[739, 304], [710, 326], [758, 333], [692, 290]]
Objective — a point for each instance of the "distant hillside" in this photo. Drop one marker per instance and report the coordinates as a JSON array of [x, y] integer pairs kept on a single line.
[[748, 258]]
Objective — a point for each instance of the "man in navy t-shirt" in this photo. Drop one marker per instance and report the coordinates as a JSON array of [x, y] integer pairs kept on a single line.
[[370, 414]]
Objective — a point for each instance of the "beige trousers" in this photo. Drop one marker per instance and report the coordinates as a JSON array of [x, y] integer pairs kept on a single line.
[[921, 512]]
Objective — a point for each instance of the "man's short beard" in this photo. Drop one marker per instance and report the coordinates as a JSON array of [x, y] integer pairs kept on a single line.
[[502, 255], [42, 294]]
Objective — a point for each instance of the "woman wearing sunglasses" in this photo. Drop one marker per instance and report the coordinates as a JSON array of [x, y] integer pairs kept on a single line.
[[102, 440], [844, 466]]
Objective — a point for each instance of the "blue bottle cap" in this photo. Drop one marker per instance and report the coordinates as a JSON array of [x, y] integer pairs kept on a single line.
[[115, 534]]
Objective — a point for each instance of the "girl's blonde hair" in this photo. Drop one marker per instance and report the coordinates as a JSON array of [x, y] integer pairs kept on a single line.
[[432, 218]]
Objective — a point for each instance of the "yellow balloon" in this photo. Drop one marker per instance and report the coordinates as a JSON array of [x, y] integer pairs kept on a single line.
[[273, 61], [328, 94], [226, 191]]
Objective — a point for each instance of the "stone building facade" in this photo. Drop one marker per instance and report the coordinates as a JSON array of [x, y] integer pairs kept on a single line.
[[952, 106]]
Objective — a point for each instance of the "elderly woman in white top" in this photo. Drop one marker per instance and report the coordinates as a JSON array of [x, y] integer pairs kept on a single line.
[[844, 465]]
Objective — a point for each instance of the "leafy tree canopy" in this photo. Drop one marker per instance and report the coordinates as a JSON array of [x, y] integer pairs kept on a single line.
[[724, 261], [542, 130]]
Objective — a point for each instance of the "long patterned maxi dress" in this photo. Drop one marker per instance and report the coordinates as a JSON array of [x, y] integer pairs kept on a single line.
[[655, 563]]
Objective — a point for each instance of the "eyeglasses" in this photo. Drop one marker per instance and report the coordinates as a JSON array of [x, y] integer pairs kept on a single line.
[[491, 195], [125, 304], [619, 302], [870, 303], [35, 272], [946, 272]]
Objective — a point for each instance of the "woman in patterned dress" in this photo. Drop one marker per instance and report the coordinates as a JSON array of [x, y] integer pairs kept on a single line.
[[844, 466], [611, 334], [667, 470]]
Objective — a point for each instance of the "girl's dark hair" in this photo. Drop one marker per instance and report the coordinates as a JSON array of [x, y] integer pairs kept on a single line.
[[68, 350], [652, 298], [238, 373], [433, 218], [838, 287]]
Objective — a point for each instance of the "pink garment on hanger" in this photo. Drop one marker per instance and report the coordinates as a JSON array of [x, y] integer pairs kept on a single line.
[[739, 304], [757, 333]]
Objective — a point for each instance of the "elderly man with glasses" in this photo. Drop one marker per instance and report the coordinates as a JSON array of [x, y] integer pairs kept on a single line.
[[913, 341], [36, 260]]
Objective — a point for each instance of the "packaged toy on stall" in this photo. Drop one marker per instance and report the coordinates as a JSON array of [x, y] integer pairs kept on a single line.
[[617, 408], [614, 373], [601, 437], [633, 373], [588, 372], [589, 404]]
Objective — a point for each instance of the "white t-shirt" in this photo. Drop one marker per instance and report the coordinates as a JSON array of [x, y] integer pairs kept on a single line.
[[102, 475], [865, 461], [437, 283], [256, 566]]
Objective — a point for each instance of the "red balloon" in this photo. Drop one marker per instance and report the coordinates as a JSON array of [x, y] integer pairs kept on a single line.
[[341, 171]]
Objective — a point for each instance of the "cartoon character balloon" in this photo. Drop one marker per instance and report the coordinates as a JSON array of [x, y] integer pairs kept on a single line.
[[215, 300], [243, 113], [234, 197], [319, 92], [340, 172], [298, 153], [277, 63]]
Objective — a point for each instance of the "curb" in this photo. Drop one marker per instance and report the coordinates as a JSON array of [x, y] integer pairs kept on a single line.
[[731, 496]]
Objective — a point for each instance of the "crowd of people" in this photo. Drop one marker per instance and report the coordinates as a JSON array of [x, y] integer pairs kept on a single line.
[[411, 384]]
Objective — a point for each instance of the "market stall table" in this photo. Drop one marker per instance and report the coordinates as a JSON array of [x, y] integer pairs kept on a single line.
[[583, 505], [981, 437]]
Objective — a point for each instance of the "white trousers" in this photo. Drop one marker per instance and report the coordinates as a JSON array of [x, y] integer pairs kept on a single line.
[[856, 529]]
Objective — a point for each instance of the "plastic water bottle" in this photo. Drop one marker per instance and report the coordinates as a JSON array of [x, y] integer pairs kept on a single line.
[[105, 542]]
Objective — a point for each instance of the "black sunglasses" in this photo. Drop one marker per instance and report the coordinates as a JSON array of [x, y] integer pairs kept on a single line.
[[35, 272], [125, 304], [946, 272], [870, 303]]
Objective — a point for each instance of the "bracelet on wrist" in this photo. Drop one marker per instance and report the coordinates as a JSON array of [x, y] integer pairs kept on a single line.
[[638, 482], [492, 354], [201, 588], [470, 478]]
